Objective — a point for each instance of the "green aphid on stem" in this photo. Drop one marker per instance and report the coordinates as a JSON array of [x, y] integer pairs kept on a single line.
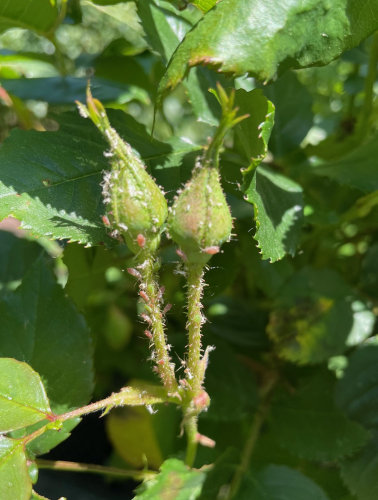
[[136, 206]]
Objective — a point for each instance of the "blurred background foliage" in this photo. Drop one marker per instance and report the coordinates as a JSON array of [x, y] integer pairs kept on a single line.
[[301, 316]]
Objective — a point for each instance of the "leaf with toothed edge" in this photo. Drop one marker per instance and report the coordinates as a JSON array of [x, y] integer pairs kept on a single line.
[[277, 200], [261, 36], [23, 399], [278, 203]]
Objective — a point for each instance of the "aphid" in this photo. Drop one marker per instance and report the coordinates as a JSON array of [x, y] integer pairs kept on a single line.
[[144, 296], [134, 273], [211, 250], [105, 220], [146, 318], [167, 308], [148, 334], [141, 240], [205, 441], [181, 254]]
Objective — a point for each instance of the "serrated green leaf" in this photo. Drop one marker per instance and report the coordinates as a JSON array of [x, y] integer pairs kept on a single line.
[[361, 471], [357, 392], [37, 15], [309, 425], [252, 134], [260, 36], [42, 327], [318, 315], [53, 187], [357, 169], [15, 482], [278, 482], [175, 481], [293, 117], [23, 399], [278, 204]]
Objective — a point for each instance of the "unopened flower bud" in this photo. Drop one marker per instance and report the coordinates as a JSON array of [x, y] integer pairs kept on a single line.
[[200, 220], [136, 206]]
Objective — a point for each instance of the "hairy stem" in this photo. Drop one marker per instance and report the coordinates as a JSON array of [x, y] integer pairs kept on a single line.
[[191, 429], [151, 294], [254, 433], [194, 370], [94, 469], [194, 325]]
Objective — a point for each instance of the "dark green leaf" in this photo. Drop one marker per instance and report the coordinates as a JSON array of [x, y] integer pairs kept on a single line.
[[369, 271], [357, 169], [16, 257], [37, 15], [231, 386], [357, 392], [278, 206], [252, 134], [361, 471], [293, 117], [276, 482], [237, 322], [86, 271], [42, 327], [23, 399], [309, 425], [317, 315], [50, 438], [15, 482], [175, 480], [260, 36]]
